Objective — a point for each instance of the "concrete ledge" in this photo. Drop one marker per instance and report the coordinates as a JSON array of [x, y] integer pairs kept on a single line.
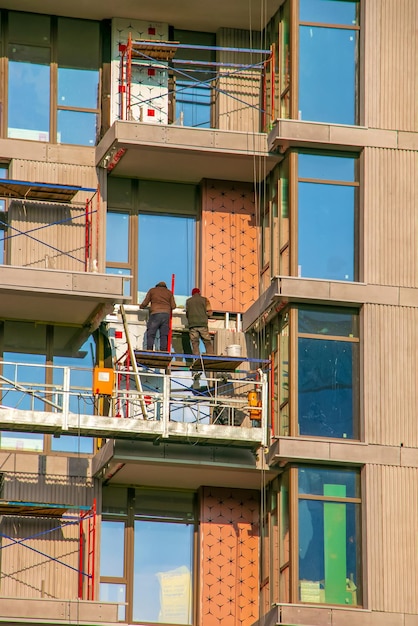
[[303, 615], [305, 134], [287, 449], [57, 611]]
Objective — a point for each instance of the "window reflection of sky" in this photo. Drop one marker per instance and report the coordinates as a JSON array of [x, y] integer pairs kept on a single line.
[[328, 12], [327, 73], [326, 167], [159, 547], [28, 99], [166, 246], [326, 231]]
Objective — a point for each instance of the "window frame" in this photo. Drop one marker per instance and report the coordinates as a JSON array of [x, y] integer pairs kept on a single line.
[[287, 416], [133, 206], [129, 516], [287, 591], [54, 106]]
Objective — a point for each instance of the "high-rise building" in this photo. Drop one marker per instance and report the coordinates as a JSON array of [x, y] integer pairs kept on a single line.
[[265, 152]]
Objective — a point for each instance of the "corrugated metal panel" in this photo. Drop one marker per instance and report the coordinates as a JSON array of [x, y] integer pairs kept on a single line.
[[392, 504], [56, 233], [390, 367], [390, 223], [237, 98], [391, 64], [40, 556]]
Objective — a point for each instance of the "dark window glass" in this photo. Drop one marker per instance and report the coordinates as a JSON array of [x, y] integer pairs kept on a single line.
[[327, 386], [29, 28], [314, 481], [327, 74], [321, 322], [329, 11]]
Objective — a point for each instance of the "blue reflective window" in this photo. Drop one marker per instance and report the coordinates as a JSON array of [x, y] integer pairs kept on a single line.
[[166, 246], [193, 104], [28, 92], [327, 74], [326, 167], [78, 87], [77, 128], [117, 237], [163, 558], [327, 217], [329, 11], [81, 385], [112, 549], [326, 231]]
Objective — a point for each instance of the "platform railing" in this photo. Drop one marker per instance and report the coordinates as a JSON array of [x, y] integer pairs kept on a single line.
[[171, 398]]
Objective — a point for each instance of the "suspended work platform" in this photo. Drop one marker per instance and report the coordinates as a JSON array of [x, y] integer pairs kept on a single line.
[[209, 400]]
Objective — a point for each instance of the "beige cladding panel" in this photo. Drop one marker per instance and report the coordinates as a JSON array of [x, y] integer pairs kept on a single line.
[[56, 232], [390, 340], [391, 535], [391, 64], [390, 218], [237, 97]]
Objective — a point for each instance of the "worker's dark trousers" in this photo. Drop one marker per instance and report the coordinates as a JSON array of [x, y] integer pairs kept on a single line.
[[158, 321]]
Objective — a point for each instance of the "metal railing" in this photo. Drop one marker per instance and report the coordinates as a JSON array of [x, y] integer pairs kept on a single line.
[[164, 401]]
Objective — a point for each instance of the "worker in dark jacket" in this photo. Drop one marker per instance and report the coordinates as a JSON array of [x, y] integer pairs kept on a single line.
[[162, 303], [198, 310]]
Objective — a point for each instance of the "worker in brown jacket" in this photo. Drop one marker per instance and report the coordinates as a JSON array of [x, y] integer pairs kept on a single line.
[[162, 302]]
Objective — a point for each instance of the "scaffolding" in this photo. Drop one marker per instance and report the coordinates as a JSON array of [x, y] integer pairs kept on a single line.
[[162, 55], [36, 193], [83, 517]]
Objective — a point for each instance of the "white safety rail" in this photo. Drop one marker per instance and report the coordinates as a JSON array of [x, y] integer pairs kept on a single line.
[[181, 403]]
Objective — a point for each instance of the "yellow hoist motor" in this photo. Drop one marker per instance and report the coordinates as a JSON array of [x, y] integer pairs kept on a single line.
[[253, 402]]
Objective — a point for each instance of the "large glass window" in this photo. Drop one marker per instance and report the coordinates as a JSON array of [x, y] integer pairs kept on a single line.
[[328, 53], [329, 533], [163, 557], [161, 219], [78, 81], [326, 214], [160, 569], [318, 388], [316, 532], [34, 40], [328, 376]]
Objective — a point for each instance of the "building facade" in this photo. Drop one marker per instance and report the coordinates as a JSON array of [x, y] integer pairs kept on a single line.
[[268, 154]]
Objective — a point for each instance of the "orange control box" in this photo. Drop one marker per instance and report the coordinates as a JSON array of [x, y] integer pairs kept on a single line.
[[103, 379]]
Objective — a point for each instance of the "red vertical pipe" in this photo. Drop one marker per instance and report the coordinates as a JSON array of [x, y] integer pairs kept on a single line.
[[170, 328], [93, 552], [87, 242], [80, 561]]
